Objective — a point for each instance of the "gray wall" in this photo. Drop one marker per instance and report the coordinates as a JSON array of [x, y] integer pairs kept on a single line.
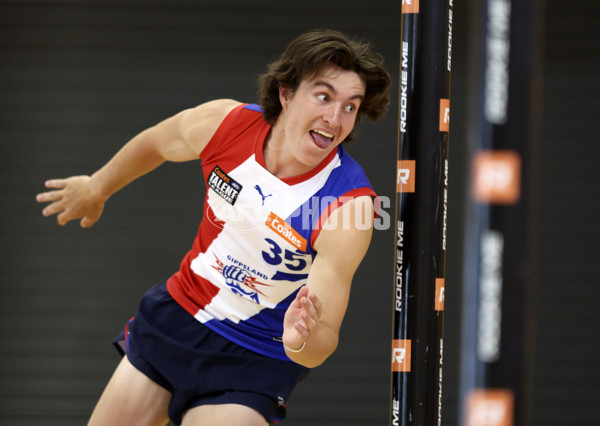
[[78, 79]]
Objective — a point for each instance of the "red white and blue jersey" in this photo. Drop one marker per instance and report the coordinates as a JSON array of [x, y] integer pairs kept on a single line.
[[254, 247]]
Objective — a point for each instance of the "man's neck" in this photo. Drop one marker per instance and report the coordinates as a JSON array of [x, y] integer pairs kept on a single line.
[[279, 160]]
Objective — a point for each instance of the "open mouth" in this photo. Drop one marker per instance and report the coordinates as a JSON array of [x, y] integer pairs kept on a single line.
[[321, 138]]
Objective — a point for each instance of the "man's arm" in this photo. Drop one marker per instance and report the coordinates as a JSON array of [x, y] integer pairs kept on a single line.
[[178, 138], [313, 320]]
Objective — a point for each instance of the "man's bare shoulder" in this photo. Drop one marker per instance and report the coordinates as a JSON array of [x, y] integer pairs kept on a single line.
[[200, 123], [215, 110], [220, 105]]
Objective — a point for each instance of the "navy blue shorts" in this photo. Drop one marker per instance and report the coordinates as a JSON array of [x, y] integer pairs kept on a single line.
[[198, 366]]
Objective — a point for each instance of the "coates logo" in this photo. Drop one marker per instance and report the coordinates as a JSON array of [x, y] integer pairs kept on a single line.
[[284, 230], [496, 177], [405, 176], [410, 6], [490, 407], [444, 115], [401, 355]]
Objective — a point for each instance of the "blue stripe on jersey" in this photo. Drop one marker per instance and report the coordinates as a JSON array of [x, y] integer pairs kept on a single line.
[[254, 107], [344, 178]]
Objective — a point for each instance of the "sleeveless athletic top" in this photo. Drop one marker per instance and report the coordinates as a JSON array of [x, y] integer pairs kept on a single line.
[[254, 246]]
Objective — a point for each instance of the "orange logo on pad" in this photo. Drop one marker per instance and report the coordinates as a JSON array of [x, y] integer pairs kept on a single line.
[[490, 407], [439, 294], [284, 230], [496, 177], [444, 115], [405, 176], [410, 6], [401, 355]]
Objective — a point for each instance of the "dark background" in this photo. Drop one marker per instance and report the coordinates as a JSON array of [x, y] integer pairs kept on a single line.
[[80, 78]]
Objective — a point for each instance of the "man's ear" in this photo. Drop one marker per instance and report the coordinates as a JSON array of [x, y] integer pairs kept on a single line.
[[285, 95]]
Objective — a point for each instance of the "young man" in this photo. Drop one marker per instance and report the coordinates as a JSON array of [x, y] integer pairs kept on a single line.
[[288, 215]]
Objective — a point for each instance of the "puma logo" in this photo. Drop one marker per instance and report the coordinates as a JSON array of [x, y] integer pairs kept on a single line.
[[264, 197]]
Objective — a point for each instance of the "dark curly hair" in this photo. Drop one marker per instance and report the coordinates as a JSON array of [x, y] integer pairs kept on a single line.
[[308, 54]]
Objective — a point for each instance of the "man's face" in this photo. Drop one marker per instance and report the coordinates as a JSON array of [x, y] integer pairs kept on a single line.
[[321, 113]]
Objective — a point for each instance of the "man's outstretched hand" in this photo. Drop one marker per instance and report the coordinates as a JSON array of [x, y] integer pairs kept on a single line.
[[301, 319], [72, 198]]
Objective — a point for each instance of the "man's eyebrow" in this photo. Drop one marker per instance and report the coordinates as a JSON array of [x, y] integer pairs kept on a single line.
[[332, 89]]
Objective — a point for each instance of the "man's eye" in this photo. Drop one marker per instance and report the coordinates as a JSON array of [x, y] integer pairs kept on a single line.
[[350, 108], [323, 97]]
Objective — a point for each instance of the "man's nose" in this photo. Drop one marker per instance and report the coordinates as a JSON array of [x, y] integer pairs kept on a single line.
[[332, 115]]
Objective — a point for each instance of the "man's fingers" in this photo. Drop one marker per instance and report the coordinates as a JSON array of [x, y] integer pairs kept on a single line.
[[64, 217], [45, 197], [301, 329], [53, 208], [308, 317], [51, 196], [297, 303], [314, 300], [303, 292], [55, 183], [87, 222], [312, 307]]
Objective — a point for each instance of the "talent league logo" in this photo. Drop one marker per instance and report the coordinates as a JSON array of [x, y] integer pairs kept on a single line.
[[224, 185]]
